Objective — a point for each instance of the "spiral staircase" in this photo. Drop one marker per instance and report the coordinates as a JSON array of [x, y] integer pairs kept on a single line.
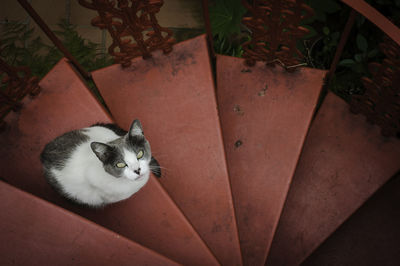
[[252, 175]]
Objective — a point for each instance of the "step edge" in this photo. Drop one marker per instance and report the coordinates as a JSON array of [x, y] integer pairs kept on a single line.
[[303, 139], [356, 208], [85, 221], [310, 120]]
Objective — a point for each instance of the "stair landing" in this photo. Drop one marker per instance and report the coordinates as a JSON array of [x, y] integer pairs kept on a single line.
[[265, 115], [31, 235], [173, 95], [344, 161], [150, 218]]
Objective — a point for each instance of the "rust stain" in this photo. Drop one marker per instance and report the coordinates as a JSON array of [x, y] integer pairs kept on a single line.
[[263, 90], [238, 143], [238, 110]]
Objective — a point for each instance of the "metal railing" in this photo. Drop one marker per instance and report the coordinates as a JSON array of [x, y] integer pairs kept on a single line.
[[136, 32]]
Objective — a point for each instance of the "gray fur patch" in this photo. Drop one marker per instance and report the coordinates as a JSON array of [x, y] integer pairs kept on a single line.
[[58, 151], [132, 144], [114, 154]]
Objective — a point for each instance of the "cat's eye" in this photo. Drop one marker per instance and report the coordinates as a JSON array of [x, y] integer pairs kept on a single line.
[[139, 154], [121, 165]]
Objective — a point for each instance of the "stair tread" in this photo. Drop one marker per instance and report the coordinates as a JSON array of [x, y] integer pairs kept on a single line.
[[344, 161], [65, 104], [173, 96], [31, 235], [265, 114], [370, 236]]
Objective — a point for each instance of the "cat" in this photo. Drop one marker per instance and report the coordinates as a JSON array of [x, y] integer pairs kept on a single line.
[[99, 165]]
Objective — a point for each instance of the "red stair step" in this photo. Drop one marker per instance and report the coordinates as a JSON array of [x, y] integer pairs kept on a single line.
[[265, 115], [173, 95], [35, 232], [344, 161], [149, 218], [370, 236]]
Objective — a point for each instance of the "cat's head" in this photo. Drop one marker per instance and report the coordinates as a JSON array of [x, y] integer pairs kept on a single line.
[[126, 157]]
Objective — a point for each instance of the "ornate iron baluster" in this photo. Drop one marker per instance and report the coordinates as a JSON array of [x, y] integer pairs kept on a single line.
[[18, 83], [127, 21], [381, 101], [275, 27]]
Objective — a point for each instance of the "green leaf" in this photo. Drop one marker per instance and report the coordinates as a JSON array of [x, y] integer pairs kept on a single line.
[[347, 62], [358, 57], [362, 43], [325, 30], [225, 17], [373, 53], [360, 21]]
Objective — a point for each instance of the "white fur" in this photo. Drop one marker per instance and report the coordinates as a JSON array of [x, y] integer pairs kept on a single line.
[[85, 179]]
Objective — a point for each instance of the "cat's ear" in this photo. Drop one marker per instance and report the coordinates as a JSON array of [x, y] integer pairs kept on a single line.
[[136, 129], [101, 150]]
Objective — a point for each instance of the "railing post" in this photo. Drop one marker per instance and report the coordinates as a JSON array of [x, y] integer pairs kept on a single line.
[[342, 43], [53, 37]]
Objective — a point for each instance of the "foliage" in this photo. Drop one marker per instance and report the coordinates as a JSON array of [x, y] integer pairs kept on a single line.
[[87, 53], [319, 46], [361, 48], [18, 47], [225, 18]]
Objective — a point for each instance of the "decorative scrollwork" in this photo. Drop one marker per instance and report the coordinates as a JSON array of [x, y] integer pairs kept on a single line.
[[133, 27], [275, 27], [16, 83], [381, 101]]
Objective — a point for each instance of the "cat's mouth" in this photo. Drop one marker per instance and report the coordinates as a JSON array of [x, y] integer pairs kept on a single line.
[[139, 178]]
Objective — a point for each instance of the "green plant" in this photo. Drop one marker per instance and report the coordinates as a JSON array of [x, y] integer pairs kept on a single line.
[[360, 49], [18, 47], [225, 18], [359, 62], [319, 45], [87, 53]]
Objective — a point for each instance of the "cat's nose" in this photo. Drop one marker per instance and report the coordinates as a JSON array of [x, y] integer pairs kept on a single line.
[[137, 171]]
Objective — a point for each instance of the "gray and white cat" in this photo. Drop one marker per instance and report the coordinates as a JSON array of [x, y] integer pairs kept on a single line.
[[100, 164]]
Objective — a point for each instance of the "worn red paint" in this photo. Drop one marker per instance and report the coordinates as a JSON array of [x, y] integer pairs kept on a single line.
[[173, 96], [35, 232], [271, 128], [344, 161], [65, 104]]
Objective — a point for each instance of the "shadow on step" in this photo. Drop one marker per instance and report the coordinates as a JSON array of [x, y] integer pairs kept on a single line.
[[344, 161], [371, 236]]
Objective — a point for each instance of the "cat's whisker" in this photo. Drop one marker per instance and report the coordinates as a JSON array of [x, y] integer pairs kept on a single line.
[[157, 167], [156, 154]]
